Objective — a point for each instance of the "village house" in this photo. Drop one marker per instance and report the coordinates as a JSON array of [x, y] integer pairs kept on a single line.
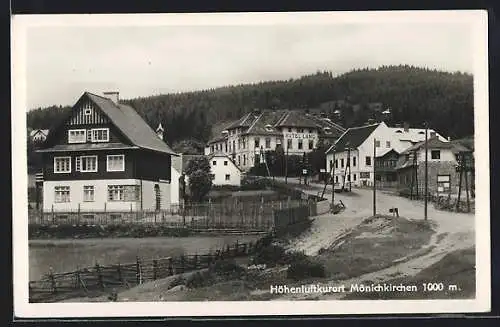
[[224, 170], [104, 156], [39, 135], [442, 175], [352, 154], [294, 132]]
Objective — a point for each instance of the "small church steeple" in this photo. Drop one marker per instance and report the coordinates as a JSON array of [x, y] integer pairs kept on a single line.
[[160, 131]]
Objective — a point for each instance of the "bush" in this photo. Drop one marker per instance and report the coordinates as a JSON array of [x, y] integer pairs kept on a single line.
[[227, 268], [306, 268], [269, 255], [199, 279]]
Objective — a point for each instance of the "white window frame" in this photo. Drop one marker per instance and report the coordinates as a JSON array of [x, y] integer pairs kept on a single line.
[[88, 188], [93, 130], [65, 171], [60, 199], [72, 141], [115, 155], [87, 109], [121, 192], [80, 164]]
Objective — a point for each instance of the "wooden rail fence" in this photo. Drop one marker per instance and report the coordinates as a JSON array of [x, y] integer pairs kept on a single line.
[[58, 286]]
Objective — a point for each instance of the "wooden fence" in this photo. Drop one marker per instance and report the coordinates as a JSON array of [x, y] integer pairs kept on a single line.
[[81, 282], [240, 215]]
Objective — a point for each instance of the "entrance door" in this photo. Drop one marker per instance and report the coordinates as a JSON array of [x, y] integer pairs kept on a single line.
[[158, 197]]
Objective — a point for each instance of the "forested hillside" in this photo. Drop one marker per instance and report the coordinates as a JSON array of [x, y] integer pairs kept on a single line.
[[413, 94]]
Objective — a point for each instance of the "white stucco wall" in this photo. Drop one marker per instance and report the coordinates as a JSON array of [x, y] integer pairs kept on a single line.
[[220, 171], [149, 195]]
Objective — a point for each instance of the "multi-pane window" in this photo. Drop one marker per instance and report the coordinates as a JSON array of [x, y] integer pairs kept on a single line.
[[300, 144], [100, 135], [311, 144], [61, 194], [289, 144], [354, 161], [244, 159], [342, 163], [225, 162], [62, 164], [377, 143], [354, 177], [115, 162], [387, 144], [115, 192], [435, 154], [257, 143], [88, 193], [368, 161], [86, 164], [268, 142], [227, 177], [77, 136]]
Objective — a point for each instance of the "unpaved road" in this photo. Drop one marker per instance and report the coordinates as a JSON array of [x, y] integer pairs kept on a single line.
[[454, 231]]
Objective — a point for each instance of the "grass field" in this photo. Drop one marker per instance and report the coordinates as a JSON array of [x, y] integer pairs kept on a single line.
[[67, 255]]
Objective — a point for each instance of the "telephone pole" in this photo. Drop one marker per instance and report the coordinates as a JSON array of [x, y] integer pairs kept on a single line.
[[333, 179], [426, 172], [374, 178]]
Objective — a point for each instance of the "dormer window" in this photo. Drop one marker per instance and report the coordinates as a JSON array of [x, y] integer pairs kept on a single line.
[[327, 130], [269, 128], [399, 131], [100, 134]]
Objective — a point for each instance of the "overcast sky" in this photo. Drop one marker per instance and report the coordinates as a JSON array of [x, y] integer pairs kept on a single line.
[[63, 62]]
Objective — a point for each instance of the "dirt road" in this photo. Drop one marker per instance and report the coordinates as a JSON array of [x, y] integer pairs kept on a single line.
[[454, 231]]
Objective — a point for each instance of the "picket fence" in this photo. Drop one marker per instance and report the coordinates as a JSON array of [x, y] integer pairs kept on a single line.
[[57, 286]]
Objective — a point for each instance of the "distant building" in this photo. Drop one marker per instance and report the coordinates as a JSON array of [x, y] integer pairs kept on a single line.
[[441, 163], [355, 148], [39, 135], [224, 170], [294, 132], [104, 156]]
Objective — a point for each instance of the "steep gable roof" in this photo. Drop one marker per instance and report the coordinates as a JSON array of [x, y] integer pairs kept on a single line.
[[130, 123], [296, 119], [353, 137]]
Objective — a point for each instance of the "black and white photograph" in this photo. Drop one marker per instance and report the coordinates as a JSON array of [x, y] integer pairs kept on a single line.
[[250, 164]]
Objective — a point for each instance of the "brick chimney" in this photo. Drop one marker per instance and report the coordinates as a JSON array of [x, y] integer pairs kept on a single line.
[[113, 95], [406, 127]]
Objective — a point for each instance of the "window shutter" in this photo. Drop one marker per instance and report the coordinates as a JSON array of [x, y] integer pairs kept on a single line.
[[89, 135], [78, 163]]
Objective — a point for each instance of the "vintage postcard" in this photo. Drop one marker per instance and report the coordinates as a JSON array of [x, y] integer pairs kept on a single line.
[[250, 164]]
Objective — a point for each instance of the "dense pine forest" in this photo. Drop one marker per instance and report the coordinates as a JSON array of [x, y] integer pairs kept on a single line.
[[413, 94]]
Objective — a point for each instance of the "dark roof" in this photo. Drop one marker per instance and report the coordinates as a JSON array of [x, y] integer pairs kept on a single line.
[[354, 137], [84, 147], [435, 143], [296, 119], [131, 124], [266, 123], [244, 121]]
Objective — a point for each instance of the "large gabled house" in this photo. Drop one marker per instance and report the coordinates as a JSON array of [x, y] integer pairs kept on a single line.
[[293, 131], [105, 157]]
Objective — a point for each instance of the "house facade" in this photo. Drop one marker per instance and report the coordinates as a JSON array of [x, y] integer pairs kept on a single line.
[[104, 156], [442, 175], [293, 132], [224, 170], [352, 155]]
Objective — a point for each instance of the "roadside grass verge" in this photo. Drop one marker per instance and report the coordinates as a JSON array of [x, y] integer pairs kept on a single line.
[[377, 243], [456, 271]]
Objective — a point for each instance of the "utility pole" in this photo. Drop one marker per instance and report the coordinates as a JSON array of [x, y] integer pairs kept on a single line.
[[286, 164], [374, 178], [333, 178], [426, 172]]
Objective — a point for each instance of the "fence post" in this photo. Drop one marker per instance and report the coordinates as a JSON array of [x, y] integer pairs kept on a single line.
[[137, 271], [236, 248], [182, 263], [99, 275], [119, 271], [170, 267], [209, 211], [52, 281], [155, 269], [195, 261], [78, 215]]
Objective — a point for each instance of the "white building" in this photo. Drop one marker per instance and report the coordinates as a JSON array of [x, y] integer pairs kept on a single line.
[[356, 146], [224, 170], [295, 132]]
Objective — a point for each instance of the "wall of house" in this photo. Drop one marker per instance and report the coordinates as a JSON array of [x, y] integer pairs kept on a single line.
[[219, 170], [77, 200], [174, 186], [295, 134], [149, 195], [153, 166], [435, 168]]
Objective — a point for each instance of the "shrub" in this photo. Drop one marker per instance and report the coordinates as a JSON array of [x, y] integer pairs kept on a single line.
[[227, 268], [269, 255], [199, 279], [306, 268]]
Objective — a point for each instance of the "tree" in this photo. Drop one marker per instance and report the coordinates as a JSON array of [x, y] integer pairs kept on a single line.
[[200, 178], [188, 146]]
